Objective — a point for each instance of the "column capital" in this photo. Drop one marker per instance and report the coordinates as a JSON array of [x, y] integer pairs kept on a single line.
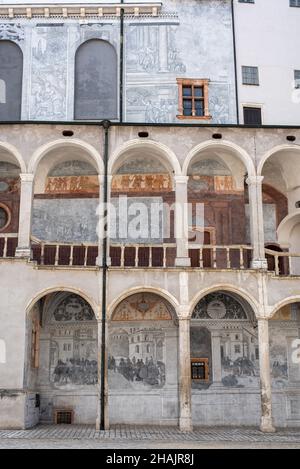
[[254, 180], [27, 177], [181, 179]]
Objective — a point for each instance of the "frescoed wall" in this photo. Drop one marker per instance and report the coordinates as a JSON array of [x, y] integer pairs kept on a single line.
[[143, 360]]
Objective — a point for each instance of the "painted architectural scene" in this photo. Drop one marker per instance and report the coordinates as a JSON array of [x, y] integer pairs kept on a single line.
[[138, 343]]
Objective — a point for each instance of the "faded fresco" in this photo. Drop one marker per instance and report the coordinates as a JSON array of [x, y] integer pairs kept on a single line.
[[72, 328], [227, 318], [142, 182], [72, 185], [138, 343]]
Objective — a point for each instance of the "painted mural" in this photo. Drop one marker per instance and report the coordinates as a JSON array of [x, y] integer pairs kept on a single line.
[[142, 182], [138, 343], [222, 315], [72, 184], [73, 343]]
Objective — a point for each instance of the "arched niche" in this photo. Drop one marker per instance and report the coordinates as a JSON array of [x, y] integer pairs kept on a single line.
[[62, 355], [96, 78], [11, 74]]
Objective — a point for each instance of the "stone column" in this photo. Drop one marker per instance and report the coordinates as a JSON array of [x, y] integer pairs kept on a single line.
[[99, 396], [185, 382], [182, 222], [26, 198], [265, 376], [216, 358], [257, 222]]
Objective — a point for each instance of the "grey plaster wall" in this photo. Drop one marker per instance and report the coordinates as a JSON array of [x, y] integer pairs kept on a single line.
[[96, 76], [11, 73]]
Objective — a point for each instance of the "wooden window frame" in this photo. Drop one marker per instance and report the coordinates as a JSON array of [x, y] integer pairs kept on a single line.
[[203, 83], [206, 364]]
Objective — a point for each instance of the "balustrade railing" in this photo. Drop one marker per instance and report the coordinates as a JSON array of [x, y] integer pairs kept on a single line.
[[8, 245], [221, 257], [283, 263]]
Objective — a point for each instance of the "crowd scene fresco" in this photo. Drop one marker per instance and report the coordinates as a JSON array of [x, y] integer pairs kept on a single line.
[[76, 371], [137, 370]]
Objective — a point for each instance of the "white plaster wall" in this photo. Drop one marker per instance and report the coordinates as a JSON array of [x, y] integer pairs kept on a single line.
[[267, 35]]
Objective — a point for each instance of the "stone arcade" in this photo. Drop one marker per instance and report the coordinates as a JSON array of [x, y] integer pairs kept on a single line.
[[202, 313]]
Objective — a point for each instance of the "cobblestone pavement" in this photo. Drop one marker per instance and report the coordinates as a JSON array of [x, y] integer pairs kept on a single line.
[[78, 436]]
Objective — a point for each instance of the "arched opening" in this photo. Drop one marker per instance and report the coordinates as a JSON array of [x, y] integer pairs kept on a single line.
[[61, 358], [66, 198], [11, 74], [220, 209], [143, 196], [280, 196], [9, 203], [285, 365], [224, 361], [142, 368], [96, 78]]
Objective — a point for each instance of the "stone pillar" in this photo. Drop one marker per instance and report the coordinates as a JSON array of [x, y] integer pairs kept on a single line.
[[99, 397], [257, 222], [182, 222], [185, 382], [265, 376], [26, 198], [216, 358]]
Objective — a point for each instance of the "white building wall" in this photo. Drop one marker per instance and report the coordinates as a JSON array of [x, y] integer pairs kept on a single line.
[[267, 36]]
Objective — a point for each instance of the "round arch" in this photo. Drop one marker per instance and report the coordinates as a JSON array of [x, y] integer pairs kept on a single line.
[[225, 288], [286, 226], [161, 150], [281, 304], [58, 289], [16, 155], [41, 152], [225, 145], [133, 291], [272, 152]]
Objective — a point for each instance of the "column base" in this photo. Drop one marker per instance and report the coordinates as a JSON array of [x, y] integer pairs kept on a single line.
[[259, 264], [267, 429], [182, 262], [23, 253], [185, 425]]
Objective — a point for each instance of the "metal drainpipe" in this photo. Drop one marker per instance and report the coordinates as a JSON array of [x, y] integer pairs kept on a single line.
[[105, 125], [235, 64], [121, 62]]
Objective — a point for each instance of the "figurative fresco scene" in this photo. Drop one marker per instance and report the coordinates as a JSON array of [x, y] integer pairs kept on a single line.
[[221, 315], [137, 343], [73, 344]]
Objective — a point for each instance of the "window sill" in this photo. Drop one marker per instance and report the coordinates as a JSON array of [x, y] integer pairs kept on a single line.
[[202, 118]]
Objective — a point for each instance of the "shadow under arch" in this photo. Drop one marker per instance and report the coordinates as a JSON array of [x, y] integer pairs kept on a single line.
[[42, 152], [236, 150], [68, 290], [160, 151]]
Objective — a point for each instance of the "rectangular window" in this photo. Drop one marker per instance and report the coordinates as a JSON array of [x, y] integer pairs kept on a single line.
[[250, 76], [200, 369], [295, 3], [297, 79], [252, 116], [237, 349], [193, 99]]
